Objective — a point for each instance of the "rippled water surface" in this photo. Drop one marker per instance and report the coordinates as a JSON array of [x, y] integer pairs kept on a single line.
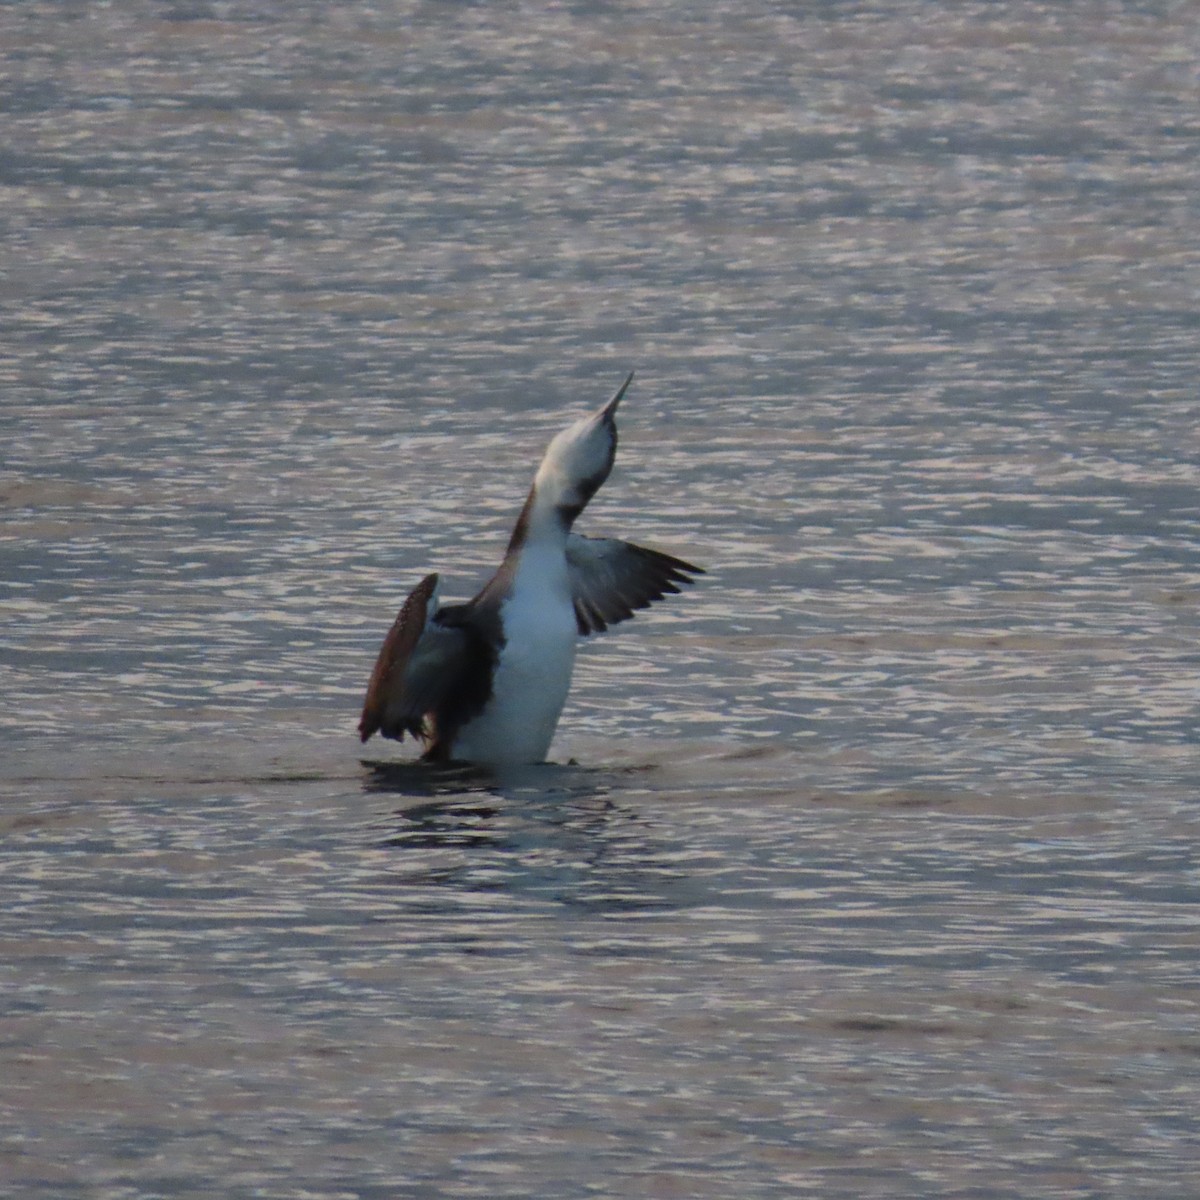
[[868, 868]]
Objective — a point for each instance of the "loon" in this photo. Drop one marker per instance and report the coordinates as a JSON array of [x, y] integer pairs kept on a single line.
[[485, 681]]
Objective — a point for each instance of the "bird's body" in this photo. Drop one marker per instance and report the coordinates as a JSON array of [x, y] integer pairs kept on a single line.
[[533, 671], [485, 681]]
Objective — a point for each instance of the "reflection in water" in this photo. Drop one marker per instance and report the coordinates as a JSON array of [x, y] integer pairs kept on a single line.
[[417, 778], [546, 833]]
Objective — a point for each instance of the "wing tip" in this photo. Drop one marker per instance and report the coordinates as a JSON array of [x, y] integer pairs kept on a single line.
[[680, 568], [369, 721]]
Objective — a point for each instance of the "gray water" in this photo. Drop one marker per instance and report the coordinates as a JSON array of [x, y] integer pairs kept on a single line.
[[868, 867]]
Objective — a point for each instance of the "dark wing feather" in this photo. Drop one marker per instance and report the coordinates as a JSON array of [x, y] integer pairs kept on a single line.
[[419, 662], [610, 579]]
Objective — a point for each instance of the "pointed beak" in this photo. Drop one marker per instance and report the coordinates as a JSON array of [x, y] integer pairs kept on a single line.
[[610, 408]]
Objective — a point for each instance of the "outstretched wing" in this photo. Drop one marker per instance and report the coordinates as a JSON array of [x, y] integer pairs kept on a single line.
[[611, 578], [420, 662]]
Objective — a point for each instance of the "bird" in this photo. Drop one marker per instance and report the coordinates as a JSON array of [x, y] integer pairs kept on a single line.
[[484, 681]]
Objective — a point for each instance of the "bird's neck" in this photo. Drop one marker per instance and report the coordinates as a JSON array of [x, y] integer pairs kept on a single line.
[[542, 523]]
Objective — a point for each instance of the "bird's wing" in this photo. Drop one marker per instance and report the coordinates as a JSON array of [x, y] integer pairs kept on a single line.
[[420, 662], [610, 579]]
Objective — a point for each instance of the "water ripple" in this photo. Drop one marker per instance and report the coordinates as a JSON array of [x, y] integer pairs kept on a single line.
[[878, 875]]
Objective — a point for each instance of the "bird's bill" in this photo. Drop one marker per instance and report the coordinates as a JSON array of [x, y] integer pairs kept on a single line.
[[611, 407]]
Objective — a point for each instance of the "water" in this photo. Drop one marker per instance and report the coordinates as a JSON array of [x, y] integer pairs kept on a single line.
[[869, 866]]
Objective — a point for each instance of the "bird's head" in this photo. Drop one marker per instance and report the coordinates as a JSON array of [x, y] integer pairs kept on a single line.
[[579, 460]]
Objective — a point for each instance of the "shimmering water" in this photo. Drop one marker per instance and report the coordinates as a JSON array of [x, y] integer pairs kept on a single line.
[[873, 872]]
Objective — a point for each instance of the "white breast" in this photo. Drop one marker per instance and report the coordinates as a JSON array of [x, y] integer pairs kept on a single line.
[[533, 676]]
